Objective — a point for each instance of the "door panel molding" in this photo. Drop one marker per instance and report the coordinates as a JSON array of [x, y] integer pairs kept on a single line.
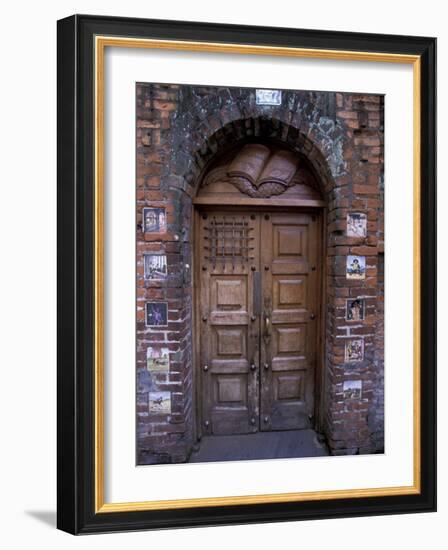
[[258, 279]]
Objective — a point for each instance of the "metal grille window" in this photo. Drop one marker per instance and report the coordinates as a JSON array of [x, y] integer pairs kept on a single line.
[[228, 241]]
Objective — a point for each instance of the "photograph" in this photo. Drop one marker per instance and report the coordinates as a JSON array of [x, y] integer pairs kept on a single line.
[[154, 220], [356, 225], [354, 351], [355, 309], [352, 389], [156, 314], [160, 402], [155, 266], [247, 214], [158, 359], [246, 259]]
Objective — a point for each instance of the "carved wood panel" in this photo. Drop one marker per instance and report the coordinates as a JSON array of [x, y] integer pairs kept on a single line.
[[229, 345], [261, 171], [290, 262]]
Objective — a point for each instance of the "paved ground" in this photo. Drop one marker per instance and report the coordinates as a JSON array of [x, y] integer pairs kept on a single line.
[[261, 445]]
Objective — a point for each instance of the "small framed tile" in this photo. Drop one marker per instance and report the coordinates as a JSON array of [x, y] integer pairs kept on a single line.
[[156, 314], [160, 402], [354, 351], [356, 267], [155, 267], [268, 97], [356, 224], [352, 389], [355, 309], [154, 220], [158, 359]]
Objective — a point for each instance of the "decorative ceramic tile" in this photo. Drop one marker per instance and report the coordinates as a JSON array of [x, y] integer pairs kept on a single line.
[[354, 350], [356, 224], [352, 389], [355, 309], [268, 97], [156, 314], [155, 267], [160, 402], [154, 220], [158, 359], [356, 267]]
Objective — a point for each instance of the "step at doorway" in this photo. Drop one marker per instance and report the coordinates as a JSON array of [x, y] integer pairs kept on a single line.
[[260, 445]]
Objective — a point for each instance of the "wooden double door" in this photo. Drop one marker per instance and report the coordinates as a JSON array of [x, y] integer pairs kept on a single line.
[[258, 286]]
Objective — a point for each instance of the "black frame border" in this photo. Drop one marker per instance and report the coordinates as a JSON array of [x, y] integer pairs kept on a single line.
[[75, 272]]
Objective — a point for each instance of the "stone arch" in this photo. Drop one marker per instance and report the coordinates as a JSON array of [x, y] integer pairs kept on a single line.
[[321, 144]]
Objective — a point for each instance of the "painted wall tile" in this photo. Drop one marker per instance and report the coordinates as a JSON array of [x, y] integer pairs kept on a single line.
[[154, 220], [355, 309], [352, 389], [160, 402], [354, 350], [155, 267], [356, 267], [156, 314], [356, 224], [158, 359]]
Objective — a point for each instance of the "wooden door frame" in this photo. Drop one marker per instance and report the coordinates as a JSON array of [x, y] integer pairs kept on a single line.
[[260, 205]]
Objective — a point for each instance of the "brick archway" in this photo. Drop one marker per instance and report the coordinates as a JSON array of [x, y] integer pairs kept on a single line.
[[240, 131], [315, 145], [180, 132]]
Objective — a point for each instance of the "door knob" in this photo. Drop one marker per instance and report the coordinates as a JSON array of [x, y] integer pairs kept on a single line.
[[266, 366], [312, 317], [253, 367]]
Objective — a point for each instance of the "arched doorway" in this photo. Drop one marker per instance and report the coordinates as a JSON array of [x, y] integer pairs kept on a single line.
[[258, 280]]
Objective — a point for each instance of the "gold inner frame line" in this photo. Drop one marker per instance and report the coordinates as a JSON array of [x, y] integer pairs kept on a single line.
[[101, 42]]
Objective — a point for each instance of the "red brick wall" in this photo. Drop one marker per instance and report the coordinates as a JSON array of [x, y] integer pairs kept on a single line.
[[349, 426], [179, 130], [162, 437]]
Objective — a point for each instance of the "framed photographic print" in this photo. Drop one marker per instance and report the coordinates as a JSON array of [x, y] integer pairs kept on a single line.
[[246, 274]]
